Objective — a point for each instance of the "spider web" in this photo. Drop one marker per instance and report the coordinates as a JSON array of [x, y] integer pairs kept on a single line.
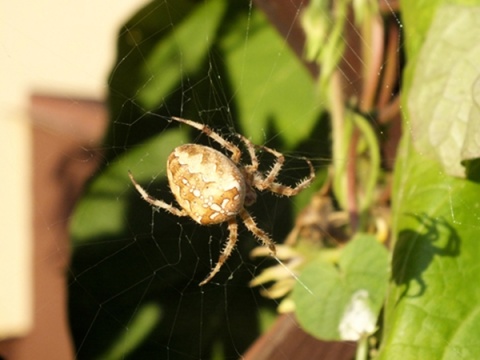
[[134, 279], [135, 271], [235, 66]]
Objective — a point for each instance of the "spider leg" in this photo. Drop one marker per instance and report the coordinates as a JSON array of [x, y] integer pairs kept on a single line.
[[251, 151], [268, 182], [155, 202], [255, 230], [227, 250], [261, 182], [236, 153], [277, 166]]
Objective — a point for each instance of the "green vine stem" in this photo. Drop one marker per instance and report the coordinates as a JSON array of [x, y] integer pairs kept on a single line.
[[362, 349], [357, 131]]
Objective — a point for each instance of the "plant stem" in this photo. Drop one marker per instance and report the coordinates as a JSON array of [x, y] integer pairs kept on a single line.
[[337, 111], [362, 348], [351, 173]]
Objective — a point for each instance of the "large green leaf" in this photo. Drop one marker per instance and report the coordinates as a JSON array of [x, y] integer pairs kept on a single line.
[[272, 87], [432, 310], [433, 306], [417, 17], [445, 121], [179, 54]]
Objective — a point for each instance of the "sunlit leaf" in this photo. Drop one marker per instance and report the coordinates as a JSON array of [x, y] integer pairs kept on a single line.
[[432, 307], [435, 265], [445, 116], [180, 54], [273, 90]]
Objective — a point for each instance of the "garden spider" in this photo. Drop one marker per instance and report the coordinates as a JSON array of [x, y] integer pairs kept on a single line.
[[212, 188]]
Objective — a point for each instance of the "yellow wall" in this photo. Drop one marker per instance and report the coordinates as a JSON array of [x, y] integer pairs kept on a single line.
[[61, 47]]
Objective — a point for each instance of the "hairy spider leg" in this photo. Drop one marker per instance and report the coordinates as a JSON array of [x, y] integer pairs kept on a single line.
[[226, 252], [255, 230], [268, 182], [236, 153], [155, 202], [253, 167]]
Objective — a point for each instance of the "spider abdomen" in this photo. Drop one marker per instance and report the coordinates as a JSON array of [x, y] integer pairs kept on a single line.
[[206, 183]]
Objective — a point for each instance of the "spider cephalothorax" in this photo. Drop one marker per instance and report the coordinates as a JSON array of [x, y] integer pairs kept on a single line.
[[212, 188]]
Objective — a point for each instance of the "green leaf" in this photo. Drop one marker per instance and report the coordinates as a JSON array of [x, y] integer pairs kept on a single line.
[[415, 29], [445, 114], [273, 90], [102, 211], [417, 17], [432, 307], [181, 53], [342, 302], [435, 265]]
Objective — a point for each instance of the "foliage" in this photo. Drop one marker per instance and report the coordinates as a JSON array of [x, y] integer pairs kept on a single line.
[[325, 307], [444, 107], [435, 221], [221, 63], [431, 305]]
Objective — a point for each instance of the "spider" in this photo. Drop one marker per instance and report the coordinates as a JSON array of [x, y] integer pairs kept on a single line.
[[213, 188]]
